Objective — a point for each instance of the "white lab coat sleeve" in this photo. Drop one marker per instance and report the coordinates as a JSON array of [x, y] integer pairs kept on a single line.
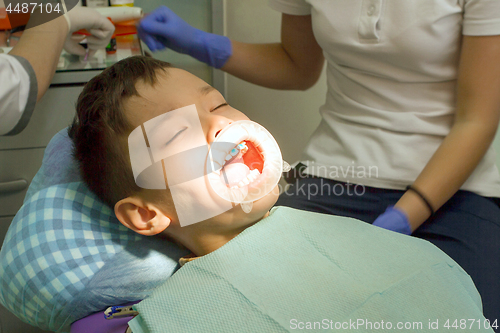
[[18, 93]]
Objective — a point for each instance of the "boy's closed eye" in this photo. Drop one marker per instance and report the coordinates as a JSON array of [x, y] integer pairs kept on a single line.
[[219, 106]]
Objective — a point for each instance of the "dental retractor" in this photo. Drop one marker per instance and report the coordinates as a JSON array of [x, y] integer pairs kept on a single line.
[[244, 163]]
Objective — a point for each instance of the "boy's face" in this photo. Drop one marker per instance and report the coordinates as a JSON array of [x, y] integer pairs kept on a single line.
[[176, 90]]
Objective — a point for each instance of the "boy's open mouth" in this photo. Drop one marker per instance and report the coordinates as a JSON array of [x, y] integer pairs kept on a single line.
[[244, 162], [243, 165]]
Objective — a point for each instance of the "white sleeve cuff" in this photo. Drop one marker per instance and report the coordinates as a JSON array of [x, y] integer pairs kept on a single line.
[[481, 18], [18, 93], [291, 7]]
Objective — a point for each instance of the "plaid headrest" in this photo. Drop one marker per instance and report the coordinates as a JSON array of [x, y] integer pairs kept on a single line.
[[66, 255]]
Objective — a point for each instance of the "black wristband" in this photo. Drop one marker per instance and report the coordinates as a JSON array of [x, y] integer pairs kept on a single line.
[[424, 199]]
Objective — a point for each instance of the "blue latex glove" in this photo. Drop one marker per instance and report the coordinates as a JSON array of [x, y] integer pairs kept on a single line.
[[163, 28], [395, 220]]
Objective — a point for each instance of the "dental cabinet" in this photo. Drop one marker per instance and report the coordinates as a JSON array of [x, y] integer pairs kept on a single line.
[[21, 155]]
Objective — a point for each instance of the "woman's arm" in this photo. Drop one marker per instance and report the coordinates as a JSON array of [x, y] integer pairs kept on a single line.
[[474, 128], [295, 63], [41, 46]]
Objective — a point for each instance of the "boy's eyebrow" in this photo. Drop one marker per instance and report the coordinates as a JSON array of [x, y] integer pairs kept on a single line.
[[205, 90]]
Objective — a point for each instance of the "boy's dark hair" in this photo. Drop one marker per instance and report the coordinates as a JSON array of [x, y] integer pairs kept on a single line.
[[100, 129]]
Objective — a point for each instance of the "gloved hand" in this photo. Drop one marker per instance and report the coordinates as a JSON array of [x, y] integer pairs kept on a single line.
[[163, 28], [395, 220], [87, 18]]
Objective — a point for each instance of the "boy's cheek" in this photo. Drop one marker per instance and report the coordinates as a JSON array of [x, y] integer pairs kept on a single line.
[[236, 115]]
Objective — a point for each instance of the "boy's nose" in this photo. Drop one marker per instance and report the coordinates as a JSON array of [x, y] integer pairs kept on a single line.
[[217, 123]]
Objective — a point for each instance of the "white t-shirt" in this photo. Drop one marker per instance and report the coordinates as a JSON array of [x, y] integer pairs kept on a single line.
[[18, 93], [392, 72]]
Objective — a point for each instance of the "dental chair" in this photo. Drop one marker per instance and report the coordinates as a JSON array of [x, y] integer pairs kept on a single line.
[[66, 258]]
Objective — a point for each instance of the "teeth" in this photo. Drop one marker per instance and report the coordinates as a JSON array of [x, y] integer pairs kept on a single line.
[[244, 182], [250, 178], [219, 149], [243, 147], [253, 175]]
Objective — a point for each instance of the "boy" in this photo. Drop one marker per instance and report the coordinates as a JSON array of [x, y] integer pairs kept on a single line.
[[291, 270]]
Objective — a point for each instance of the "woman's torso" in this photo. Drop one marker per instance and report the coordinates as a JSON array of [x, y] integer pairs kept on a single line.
[[392, 72]]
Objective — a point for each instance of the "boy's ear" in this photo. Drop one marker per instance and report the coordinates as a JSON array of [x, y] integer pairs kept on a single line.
[[140, 216]]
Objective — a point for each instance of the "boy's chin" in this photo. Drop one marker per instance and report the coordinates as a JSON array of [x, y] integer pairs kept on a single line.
[[236, 218]]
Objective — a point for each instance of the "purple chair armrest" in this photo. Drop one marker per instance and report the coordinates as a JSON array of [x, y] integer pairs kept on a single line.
[[96, 323]]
